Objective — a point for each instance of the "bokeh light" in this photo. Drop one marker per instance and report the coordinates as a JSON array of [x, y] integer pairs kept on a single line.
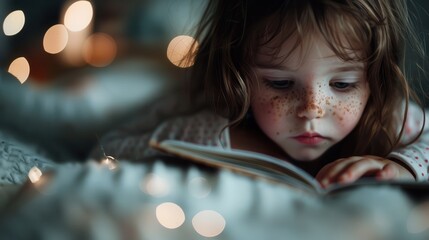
[[55, 39], [154, 185], [179, 49], [170, 215], [78, 16], [110, 162], [13, 23], [34, 174], [20, 68], [99, 50], [208, 223]]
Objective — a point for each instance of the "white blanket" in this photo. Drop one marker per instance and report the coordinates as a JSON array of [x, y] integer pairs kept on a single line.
[[159, 201]]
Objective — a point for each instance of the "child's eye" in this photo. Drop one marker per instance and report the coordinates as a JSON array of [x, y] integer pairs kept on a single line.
[[342, 85], [279, 84]]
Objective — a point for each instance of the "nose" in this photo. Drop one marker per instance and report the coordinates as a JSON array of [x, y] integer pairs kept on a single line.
[[310, 107]]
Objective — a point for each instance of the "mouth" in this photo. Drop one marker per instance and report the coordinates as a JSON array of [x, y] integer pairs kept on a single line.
[[310, 138]]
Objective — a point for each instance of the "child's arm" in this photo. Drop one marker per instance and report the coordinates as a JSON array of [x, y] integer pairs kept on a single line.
[[409, 162], [416, 155], [347, 170]]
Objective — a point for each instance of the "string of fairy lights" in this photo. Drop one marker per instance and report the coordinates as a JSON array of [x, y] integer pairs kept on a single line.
[[74, 41]]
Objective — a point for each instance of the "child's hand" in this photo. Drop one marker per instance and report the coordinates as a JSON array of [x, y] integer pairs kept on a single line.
[[347, 170]]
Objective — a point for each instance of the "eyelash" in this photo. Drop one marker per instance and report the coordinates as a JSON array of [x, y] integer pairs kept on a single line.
[[279, 84], [287, 84], [349, 87]]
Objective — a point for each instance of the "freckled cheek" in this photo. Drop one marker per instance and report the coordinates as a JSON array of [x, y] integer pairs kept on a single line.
[[347, 121], [348, 113], [271, 109]]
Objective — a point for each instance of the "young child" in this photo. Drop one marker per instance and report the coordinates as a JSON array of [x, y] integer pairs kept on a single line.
[[316, 83]]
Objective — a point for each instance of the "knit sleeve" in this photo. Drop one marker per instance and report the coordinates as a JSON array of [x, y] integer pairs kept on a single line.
[[133, 142], [122, 144], [130, 141], [416, 154]]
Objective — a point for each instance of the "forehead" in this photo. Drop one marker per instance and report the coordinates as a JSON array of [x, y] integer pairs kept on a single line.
[[280, 51], [293, 31]]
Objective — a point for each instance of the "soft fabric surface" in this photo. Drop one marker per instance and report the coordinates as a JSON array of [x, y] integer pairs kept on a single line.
[[89, 201], [17, 158]]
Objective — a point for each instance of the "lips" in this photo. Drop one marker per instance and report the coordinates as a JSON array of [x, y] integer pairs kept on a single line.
[[309, 138]]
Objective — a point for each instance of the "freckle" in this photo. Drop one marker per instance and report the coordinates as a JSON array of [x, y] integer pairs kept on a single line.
[[341, 118]]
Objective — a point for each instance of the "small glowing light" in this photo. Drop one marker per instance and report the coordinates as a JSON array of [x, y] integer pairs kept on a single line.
[[418, 221], [72, 54], [199, 187], [208, 223], [78, 16], [110, 162], [20, 69], [55, 39], [13, 23], [99, 50], [34, 174], [154, 185], [170, 215], [178, 51]]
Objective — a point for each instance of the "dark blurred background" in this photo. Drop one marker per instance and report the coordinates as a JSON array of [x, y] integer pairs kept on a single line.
[[417, 66], [139, 28]]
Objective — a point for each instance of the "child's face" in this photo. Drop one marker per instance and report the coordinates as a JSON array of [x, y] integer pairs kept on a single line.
[[306, 104]]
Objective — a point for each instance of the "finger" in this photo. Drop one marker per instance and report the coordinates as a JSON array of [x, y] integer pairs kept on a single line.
[[389, 171], [358, 169], [329, 173]]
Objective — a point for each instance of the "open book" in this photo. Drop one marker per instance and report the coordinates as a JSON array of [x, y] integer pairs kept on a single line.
[[260, 165]]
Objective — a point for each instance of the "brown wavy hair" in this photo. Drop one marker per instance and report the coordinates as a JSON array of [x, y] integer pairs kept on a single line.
[[231, 33]]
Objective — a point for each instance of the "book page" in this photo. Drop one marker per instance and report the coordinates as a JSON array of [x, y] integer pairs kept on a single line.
[[250, 163]]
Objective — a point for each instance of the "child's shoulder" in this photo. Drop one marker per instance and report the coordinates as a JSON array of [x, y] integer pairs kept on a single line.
[[416, 119], [203, 127]]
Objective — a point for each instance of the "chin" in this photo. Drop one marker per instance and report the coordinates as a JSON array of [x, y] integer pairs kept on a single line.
[[306, 158]]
